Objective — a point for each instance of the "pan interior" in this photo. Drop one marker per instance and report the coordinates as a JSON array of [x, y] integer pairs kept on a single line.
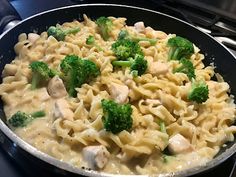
[[215, 52]]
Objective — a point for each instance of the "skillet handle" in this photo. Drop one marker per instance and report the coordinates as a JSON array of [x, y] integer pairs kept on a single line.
[[8, 16]]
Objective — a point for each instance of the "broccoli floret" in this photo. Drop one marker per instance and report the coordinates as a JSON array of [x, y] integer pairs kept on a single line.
[[179, 48], [125, 49], [59, 33], [186, 68], [116, 117], [167, 158], [129, 54], [77, 71], [138, 65], [40, 73], [91, 41], [105, 26], [125, 35], [21, 119], [199, 92]]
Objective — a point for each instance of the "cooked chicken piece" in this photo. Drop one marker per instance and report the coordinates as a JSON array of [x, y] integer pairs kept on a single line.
[[179, 144], [151, 33], [157, 68], [118, 92], [62, 110], [9, 70], [32, 37], [56, 87], [96, 156], [139, 27]]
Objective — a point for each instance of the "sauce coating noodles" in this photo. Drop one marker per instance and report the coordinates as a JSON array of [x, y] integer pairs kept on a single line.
[[159, 95]]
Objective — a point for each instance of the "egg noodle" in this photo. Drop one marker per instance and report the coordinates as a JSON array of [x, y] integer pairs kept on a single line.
[[154, 97]]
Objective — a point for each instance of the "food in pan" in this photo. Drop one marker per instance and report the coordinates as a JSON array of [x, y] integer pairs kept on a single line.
[[105, 96]]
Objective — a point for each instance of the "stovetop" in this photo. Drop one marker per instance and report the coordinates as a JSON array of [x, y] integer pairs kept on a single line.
[[211, 19]]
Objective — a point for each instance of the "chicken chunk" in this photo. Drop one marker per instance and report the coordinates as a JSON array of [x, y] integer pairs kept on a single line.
[[118, 92], [62, 110], [32, 37], [96, 156], [56, 88], [157, 68], [139, 27], [179, 144]]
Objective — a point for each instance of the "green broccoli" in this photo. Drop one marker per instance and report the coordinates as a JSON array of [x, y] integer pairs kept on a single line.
[[59, 33], [138, 65], [162, 127], [125, 35], [186, 68], [91, 41], [21, 119], [167, 158], [199, 92], [77, 71], [116, 117], [105, 26], [179, 48], [125, 49], [38, 114], [40, 73]]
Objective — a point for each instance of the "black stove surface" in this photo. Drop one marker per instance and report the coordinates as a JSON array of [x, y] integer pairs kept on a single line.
[[12, 168]]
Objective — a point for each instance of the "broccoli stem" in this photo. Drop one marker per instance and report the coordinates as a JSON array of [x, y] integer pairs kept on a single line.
[[38, 114], [34, 82], [91, 41], [35, 115], [72, 31], [170, 55], [125, 35], [122, 63], [166, 158], [72, 92], [163, 127], [175, 54], [151, 41], [72, 83]]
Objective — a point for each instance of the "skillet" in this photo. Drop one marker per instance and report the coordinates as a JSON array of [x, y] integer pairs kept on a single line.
[[215, 52]]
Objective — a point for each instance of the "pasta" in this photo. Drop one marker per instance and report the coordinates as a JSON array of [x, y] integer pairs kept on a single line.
[[155, 97]]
